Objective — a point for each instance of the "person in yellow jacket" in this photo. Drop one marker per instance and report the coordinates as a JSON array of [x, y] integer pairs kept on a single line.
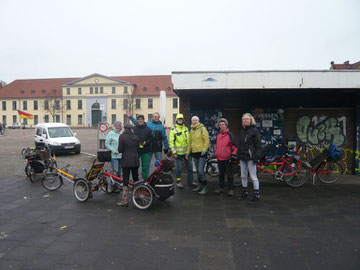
[[179, 140], [199, 145]]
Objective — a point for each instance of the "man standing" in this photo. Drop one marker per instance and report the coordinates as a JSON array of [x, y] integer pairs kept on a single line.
[[225, 146], [159, 136], [179, 140], [145, 138]]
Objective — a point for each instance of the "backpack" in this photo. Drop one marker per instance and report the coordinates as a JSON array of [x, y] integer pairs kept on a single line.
[[335, 152]]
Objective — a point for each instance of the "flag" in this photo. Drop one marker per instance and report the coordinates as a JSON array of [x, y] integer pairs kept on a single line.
[[25, 115]]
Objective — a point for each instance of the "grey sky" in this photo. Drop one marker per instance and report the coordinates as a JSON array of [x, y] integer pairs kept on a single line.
[[49, 38]]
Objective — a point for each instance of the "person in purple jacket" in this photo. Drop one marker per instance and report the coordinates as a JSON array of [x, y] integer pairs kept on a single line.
[[225, 147]]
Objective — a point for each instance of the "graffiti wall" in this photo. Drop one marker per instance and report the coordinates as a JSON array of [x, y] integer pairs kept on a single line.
[[321, 130], [318, 128]]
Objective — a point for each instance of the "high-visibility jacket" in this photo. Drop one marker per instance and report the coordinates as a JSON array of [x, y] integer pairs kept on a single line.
[[199, 139], [179, 139]]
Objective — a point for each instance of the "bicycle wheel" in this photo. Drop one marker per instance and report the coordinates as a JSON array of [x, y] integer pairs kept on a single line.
[[329, 171], [301, 177], [212, 168], [24, 151], [287, 173], [30, 172], [52, 181], [81, 190], [142, 197]]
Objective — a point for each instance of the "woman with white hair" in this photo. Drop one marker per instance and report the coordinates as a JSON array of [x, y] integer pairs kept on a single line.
[[198, 147], [249, 152]]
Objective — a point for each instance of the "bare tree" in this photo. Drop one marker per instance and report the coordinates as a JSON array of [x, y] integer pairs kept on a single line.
[[129, 105], [53, 105], [2, 83]]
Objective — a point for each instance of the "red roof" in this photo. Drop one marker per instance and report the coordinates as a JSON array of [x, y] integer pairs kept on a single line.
[[149, 85], [144, 86], [34, 88], [346, 65]]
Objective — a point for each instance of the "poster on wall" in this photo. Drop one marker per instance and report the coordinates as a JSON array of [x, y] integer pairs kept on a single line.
[[269, 121]]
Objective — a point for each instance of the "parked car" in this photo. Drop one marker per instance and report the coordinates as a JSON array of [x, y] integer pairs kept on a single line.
[[58, 137], [16, 125]]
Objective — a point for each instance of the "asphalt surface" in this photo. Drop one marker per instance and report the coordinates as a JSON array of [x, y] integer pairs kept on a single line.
[[311, 227]]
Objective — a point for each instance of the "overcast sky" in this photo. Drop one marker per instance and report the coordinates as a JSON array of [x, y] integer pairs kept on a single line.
[[75, 38]]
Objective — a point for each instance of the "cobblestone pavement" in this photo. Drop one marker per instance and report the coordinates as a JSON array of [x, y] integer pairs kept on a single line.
[[312, 227]]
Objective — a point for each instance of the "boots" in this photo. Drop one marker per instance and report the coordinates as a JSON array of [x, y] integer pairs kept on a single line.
[[204, 190], [124, 198], [198, 188]]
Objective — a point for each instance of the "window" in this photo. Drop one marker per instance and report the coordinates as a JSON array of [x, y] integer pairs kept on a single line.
[[126, 119], [91, 90], [126, 104], [36, 105], [68, 104], [46, 118], [14, 105], [113, 118], [113, 91], [138, 103], [79, 104], [113, 104], [36, 119], [175, 103], [4, 119], [125, 90], [150, 103], [25, 121], [68, 119], [25, 105], [150, 116], [80, 119], [96, 90], [57, 118], [169, 88], [101, 90], [144, 89], [157, 88], [174, 118], [14, 118], [79, 91], [68, 91], [57, 105], [4, 105], [39, 131], [46, 105]]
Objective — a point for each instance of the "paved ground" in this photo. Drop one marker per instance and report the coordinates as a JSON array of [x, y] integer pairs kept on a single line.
[[312, 227]]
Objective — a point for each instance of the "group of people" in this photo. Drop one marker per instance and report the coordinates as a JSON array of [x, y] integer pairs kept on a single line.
[[139, 143]]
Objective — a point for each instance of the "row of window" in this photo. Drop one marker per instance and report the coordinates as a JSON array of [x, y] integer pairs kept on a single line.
[[97, 90], [46, 119], [46, 104], [138, 103], [126, 118]]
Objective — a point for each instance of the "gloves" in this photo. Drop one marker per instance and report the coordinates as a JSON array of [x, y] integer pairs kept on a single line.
[[166, 151], [203, 153]]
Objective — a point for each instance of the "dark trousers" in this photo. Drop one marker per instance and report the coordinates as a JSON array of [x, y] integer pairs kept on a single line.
[[134, 173], [225, 167]]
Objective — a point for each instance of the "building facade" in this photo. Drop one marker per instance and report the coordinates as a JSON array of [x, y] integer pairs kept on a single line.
[[83, 102], [313, 107]]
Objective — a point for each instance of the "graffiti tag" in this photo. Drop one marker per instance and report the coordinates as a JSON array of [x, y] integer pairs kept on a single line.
[[321, 130]]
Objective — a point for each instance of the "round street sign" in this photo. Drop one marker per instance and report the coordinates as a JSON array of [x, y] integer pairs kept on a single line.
[[103, 127]]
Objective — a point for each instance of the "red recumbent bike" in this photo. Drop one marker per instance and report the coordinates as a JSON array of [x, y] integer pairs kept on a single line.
[[158, 185]]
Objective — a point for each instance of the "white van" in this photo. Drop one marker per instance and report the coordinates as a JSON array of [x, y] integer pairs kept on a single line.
[[58, 137]]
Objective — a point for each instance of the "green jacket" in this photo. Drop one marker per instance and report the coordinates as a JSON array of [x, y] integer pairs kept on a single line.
[[179, 140], [199, 139], [112, 144]]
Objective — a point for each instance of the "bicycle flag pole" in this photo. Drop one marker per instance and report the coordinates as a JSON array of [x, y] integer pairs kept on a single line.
[[25, 115]]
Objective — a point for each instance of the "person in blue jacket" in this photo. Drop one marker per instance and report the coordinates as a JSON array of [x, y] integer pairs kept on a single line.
[[112, 144], [159, 137]]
